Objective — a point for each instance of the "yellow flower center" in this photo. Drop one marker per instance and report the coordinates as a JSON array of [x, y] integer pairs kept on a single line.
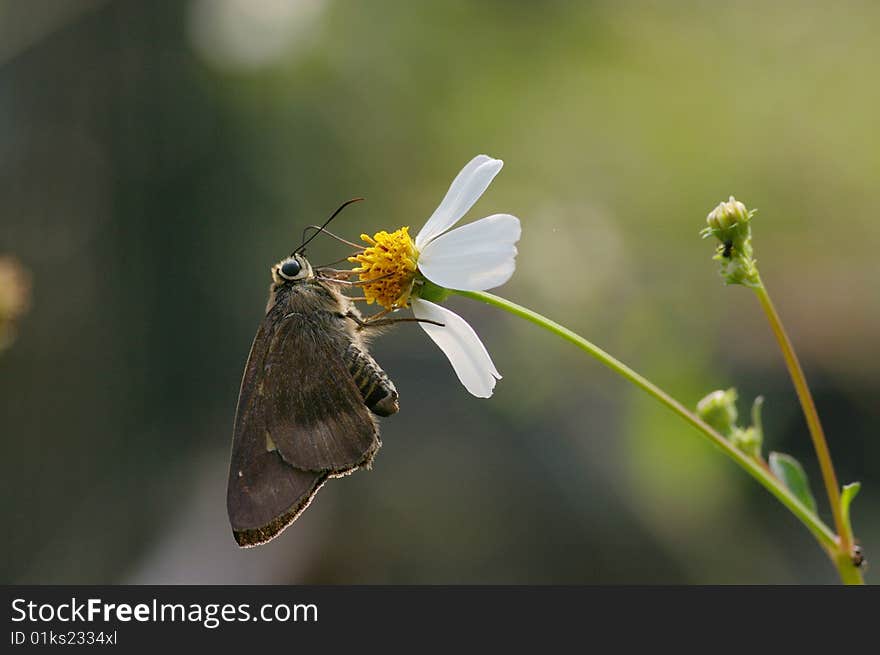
[[388, 264]]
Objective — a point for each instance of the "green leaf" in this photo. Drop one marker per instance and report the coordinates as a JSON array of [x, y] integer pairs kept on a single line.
[[849, 492], [788, 469]]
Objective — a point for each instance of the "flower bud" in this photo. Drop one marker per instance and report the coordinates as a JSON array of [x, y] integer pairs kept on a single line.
[[729, 223], [728, 214], [718, 409], [747, 440]]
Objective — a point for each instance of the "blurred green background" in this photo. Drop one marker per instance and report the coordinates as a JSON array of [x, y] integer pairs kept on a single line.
[[157, 158]]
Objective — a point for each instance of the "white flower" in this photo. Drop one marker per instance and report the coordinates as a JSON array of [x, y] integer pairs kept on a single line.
[[475, 257]]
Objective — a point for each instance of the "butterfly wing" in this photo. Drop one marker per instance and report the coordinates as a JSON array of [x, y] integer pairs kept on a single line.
[[300, 420], [266, 494], [318, 419]]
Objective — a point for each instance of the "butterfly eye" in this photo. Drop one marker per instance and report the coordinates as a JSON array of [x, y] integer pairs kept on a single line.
[[290, 269]]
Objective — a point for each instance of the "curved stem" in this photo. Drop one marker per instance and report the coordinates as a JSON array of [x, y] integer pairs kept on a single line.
[[823, 454], [809, 407], [814, 524]]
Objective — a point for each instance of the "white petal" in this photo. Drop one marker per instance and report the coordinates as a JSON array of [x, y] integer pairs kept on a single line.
[[464, 191], [462, 346], [473, 257]]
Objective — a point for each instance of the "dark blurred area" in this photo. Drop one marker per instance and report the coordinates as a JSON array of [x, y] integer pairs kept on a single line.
[[157, 158]]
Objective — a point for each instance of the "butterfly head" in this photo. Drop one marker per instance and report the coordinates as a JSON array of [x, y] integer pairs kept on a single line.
[[295, 268]]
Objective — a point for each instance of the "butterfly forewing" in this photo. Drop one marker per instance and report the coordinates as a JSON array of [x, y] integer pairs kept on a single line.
[[318, 420]]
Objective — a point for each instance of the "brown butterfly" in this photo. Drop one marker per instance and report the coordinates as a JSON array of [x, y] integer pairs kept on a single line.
[[308, 401]]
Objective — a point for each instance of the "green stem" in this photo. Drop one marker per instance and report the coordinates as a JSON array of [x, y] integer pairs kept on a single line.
[[814, 524], [823, 454], [849, 574]]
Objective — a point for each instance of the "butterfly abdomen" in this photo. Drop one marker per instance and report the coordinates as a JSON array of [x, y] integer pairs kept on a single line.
[[377, 390]]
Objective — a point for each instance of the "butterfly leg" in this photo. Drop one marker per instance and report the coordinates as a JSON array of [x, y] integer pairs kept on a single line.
[[336, 275], [374, 321], [376, 388]]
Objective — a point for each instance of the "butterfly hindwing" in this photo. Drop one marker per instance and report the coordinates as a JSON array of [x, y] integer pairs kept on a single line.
[[266, 495]]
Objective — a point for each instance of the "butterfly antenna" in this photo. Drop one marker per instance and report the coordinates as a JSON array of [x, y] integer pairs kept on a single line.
[[326, 223], [334, 236]]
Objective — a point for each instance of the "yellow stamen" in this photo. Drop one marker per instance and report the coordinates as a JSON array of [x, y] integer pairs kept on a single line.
[[389, 265]]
